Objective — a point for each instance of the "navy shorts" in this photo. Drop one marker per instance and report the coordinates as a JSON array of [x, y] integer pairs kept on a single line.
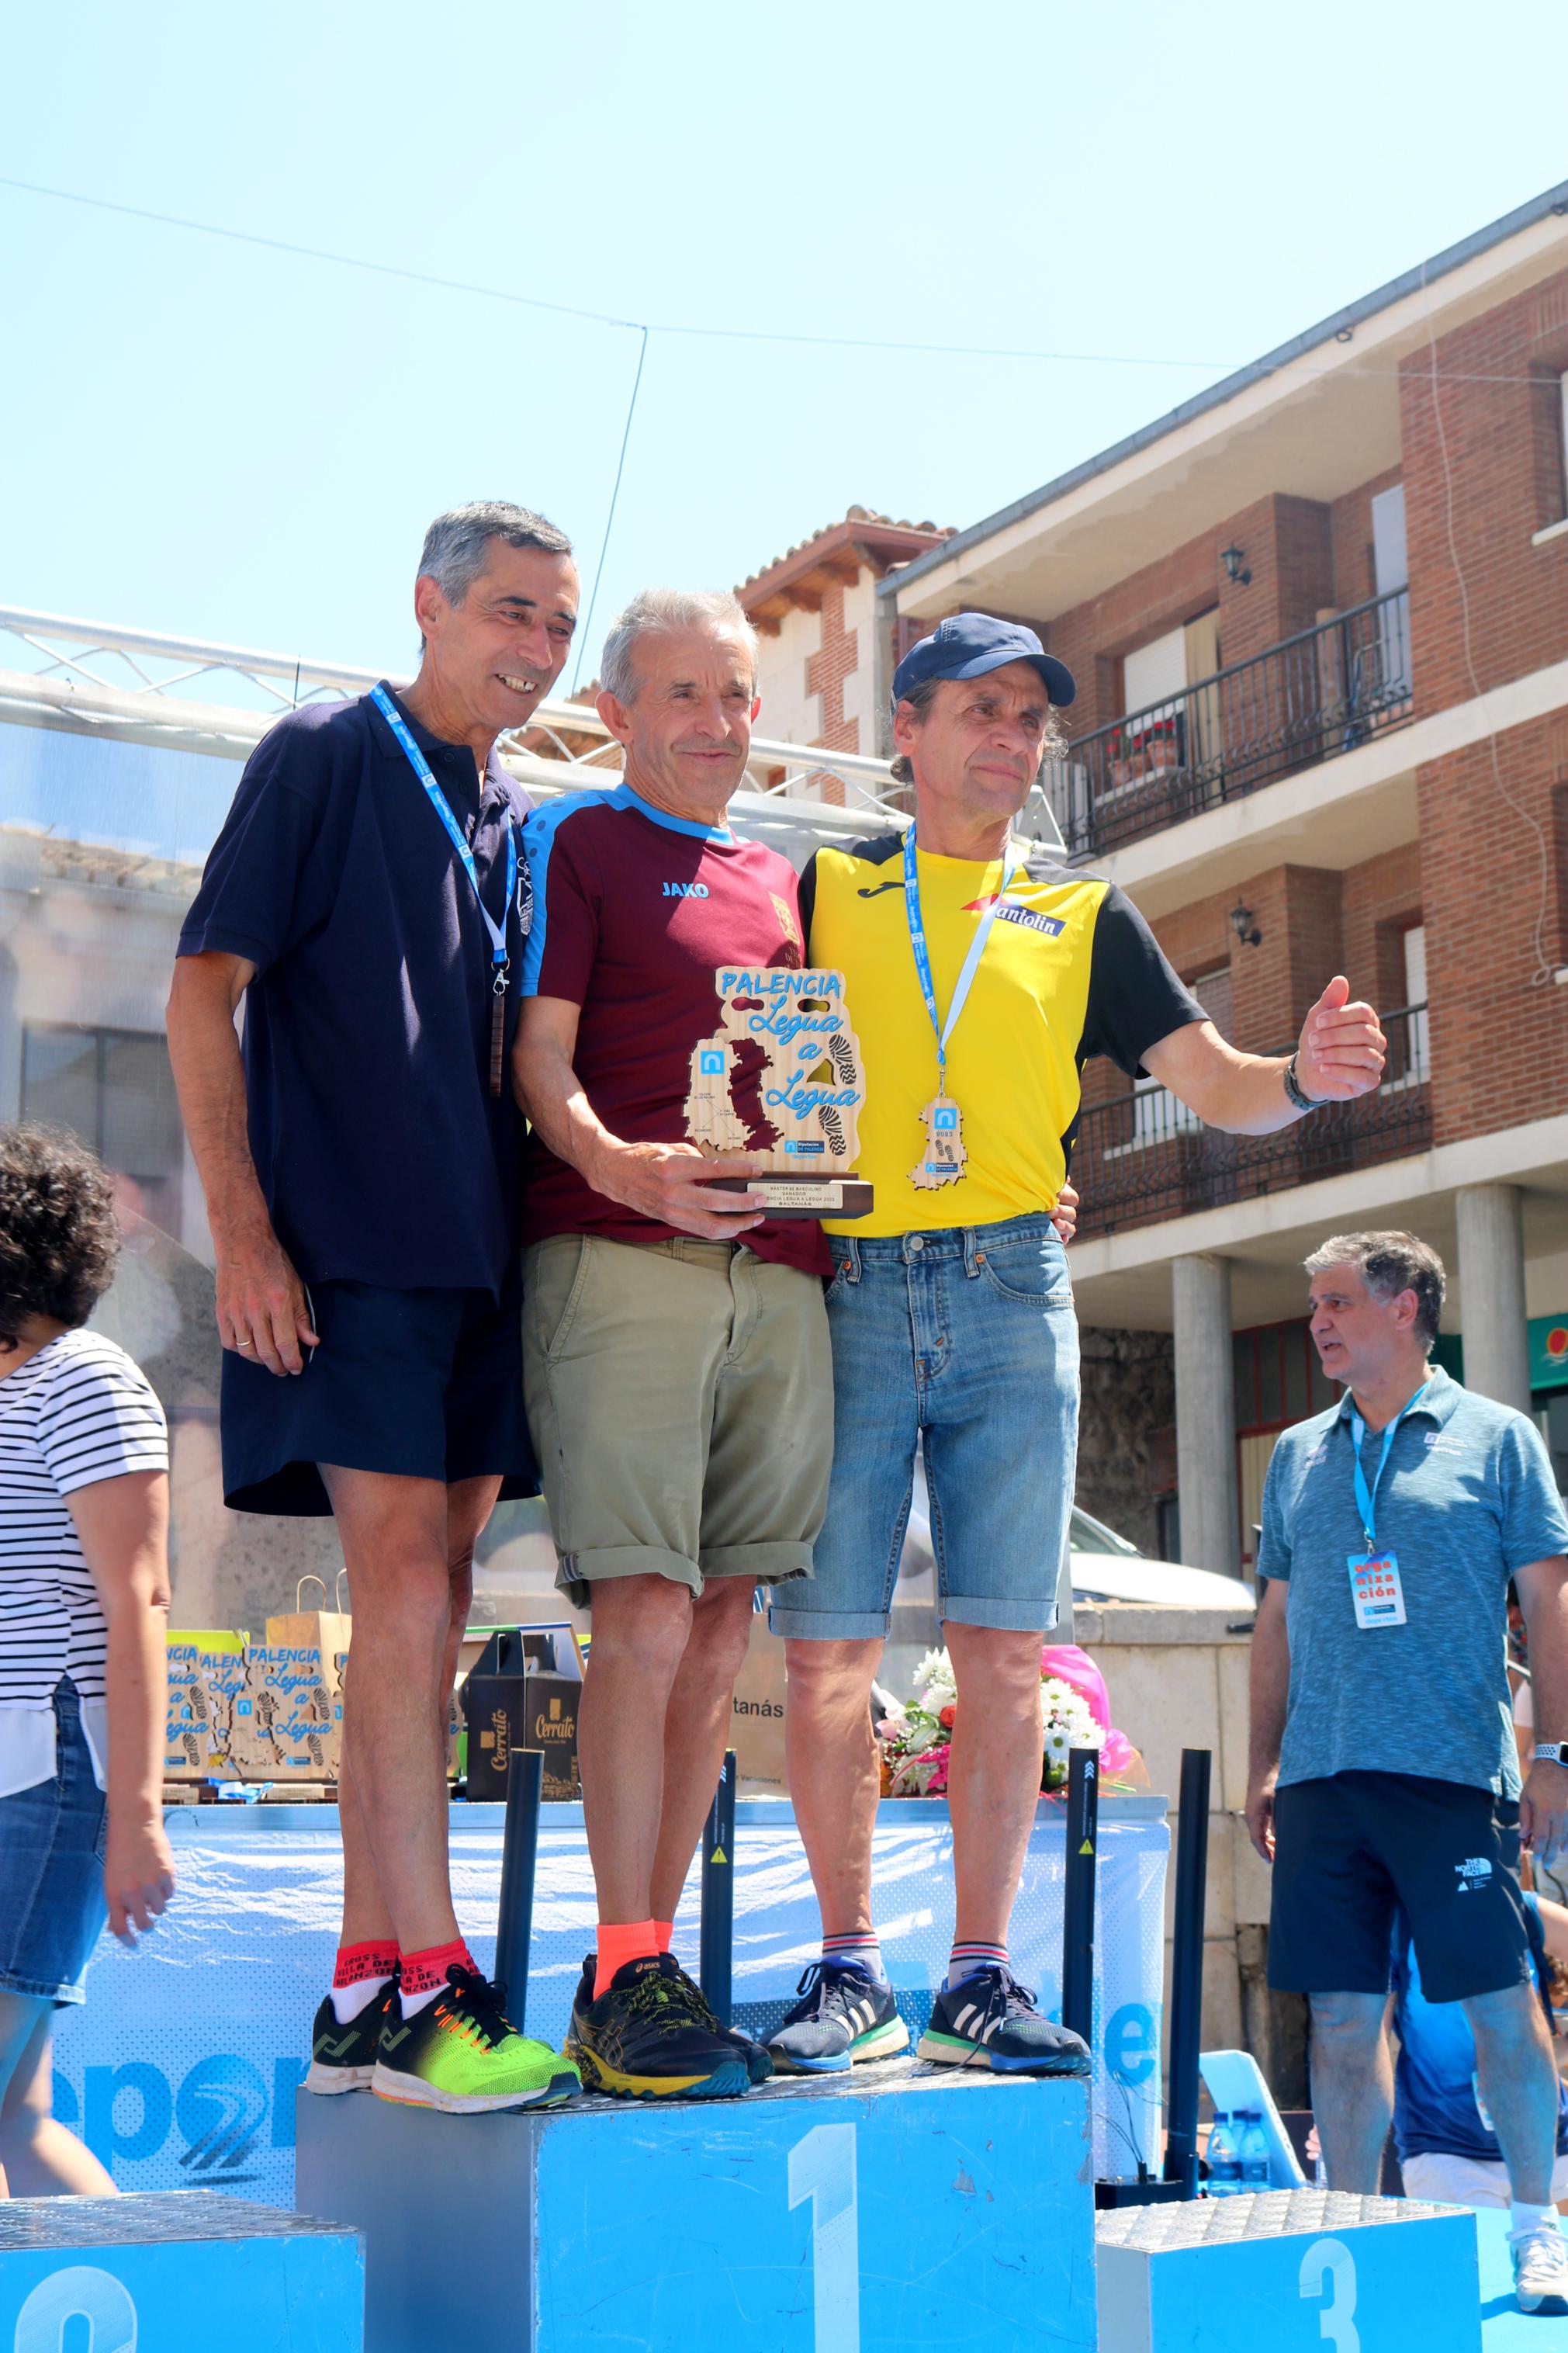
[[52, 1840], [427, 1384], [1352, 1846]]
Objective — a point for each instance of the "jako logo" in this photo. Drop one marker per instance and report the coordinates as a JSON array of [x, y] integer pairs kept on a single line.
[[685, 890]]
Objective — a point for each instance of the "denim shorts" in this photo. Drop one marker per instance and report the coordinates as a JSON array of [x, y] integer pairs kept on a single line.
[[966, 1342], [52, 1839]]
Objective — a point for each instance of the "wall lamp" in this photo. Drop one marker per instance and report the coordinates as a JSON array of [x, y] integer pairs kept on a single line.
[[1235, 562], [1242, 924]]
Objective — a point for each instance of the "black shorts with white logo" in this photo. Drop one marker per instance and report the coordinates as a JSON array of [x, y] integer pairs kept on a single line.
[[1348, 1848]]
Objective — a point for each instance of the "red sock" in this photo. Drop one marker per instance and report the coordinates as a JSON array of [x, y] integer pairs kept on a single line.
[[357, 1962], [425, 1972], [620, 1942], [663, 1930]]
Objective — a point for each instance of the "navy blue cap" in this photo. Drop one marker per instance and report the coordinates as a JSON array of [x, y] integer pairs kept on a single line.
[[966, 645]]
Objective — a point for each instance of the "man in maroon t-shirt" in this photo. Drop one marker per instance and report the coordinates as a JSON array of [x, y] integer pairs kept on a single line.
[[677, 1370]]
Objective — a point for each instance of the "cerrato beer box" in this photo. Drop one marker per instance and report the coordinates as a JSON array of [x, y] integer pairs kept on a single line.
[[513, 1699]]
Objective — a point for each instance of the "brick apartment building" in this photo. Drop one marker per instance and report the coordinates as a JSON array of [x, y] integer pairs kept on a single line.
[[1319, 619]]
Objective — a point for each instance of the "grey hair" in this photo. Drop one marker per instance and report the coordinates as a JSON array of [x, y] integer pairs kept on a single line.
[[1389, 1263], [453, 550], [659, 609], [919, 700]]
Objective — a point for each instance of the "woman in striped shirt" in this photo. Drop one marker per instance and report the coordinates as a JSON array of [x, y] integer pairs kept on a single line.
[[84, 1593]]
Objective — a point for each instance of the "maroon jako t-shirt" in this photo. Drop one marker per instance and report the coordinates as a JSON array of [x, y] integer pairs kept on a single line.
[[634, 913]]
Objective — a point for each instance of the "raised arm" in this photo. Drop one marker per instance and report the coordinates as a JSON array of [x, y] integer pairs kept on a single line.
[[123, 1524], [661, 1181], [260, 1299], [1340, 1055]]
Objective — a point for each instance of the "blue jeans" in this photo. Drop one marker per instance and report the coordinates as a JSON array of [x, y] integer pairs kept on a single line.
[[966, 1341], [52, 1840]]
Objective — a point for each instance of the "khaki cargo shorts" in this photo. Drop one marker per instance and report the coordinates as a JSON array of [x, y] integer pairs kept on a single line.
[[681, 1399]]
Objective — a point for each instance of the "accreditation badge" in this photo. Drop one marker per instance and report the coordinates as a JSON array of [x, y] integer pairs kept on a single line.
[[1375, 1588]]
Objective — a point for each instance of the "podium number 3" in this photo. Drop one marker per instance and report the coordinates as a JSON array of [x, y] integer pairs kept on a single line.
[[1328, 2270], [822, 2168]]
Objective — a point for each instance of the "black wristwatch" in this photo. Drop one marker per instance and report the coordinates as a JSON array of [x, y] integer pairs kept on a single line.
[[1293, 1088]]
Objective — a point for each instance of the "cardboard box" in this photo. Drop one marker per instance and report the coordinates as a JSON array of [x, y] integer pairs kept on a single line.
[[288, 1721], [206, 1670], [507, 1712]]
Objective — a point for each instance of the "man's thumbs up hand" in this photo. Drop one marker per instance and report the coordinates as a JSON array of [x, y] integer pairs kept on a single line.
[[1343, 1048]]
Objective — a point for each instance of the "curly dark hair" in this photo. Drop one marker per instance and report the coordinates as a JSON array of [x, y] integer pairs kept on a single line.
[[58, 1238]]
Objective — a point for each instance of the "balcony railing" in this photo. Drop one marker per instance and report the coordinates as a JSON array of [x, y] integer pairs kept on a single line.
[[1148, 1157], [1320, 693]]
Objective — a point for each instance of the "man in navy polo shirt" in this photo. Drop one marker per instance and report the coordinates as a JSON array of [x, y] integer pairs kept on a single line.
[[1382, 1768], [368, 899]]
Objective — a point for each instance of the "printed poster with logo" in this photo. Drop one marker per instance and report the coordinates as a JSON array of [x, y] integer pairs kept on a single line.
[[782, 1076]]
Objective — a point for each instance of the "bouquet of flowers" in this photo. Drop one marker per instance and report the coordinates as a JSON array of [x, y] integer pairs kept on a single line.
[[918, 1740]]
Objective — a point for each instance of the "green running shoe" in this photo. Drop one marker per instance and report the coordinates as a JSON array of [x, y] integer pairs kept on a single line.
[[343, 2058], [640, 2041], [462, 2054]]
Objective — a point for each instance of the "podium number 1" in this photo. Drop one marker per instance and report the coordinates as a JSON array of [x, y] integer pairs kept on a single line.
[[1328, 2265], [822, 2168]]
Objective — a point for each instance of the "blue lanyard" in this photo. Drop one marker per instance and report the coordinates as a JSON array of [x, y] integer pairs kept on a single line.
[[422, 769], [944, 1029], [1367, 1497]]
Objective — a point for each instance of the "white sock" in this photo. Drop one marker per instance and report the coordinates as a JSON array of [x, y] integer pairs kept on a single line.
[[413, 2003], [1521, 2218], [349, 1999]]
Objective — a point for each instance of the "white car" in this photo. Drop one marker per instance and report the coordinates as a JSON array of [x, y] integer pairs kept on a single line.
[[1105, 1567]]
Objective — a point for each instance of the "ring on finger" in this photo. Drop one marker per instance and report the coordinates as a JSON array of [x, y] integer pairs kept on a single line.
[[245, 1344]]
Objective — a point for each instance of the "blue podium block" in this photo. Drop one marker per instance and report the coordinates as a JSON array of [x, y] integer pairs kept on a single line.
[[1291, 2270], [185, 2268], [896, 2204]]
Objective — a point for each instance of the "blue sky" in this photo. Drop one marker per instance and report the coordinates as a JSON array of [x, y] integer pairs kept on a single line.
[[199, 437]]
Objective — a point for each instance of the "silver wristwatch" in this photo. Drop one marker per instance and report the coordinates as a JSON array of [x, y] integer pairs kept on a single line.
[[1551, 1752]]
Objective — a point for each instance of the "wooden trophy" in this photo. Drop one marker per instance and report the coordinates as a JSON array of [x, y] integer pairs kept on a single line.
[[782, 1076]]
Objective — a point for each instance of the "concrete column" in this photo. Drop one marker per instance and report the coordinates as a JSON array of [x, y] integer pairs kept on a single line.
[[1491, 1292], [1205, 1414]]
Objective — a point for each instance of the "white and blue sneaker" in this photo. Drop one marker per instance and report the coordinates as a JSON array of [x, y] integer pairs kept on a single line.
[[991, 2018], [844, 2015], [1540, 2269]]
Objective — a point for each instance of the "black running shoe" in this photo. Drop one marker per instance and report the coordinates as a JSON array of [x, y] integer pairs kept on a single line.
[[759, 2066], [844, 2015], [640, 2041], [343, 2058], [991, 2018]]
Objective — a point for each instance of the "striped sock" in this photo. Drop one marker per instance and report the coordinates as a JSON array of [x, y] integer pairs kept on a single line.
[[969, 1956], [857, 1945]]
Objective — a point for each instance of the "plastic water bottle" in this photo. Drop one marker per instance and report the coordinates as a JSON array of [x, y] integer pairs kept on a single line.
[[1254, 2149], [1224, 2158]]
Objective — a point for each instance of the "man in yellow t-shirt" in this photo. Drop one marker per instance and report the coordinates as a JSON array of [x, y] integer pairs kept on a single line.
[[981, 977]]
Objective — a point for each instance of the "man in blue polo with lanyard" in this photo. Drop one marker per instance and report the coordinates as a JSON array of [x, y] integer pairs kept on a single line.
[[368, 901], [1384, 1774], [981, 975]]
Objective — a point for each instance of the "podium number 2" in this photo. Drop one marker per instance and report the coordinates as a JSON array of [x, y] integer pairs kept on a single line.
[[1329, 2264], [80, 2292], [822, 2168]]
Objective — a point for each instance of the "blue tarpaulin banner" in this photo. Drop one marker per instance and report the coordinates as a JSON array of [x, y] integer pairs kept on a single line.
[[180, 2070]]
